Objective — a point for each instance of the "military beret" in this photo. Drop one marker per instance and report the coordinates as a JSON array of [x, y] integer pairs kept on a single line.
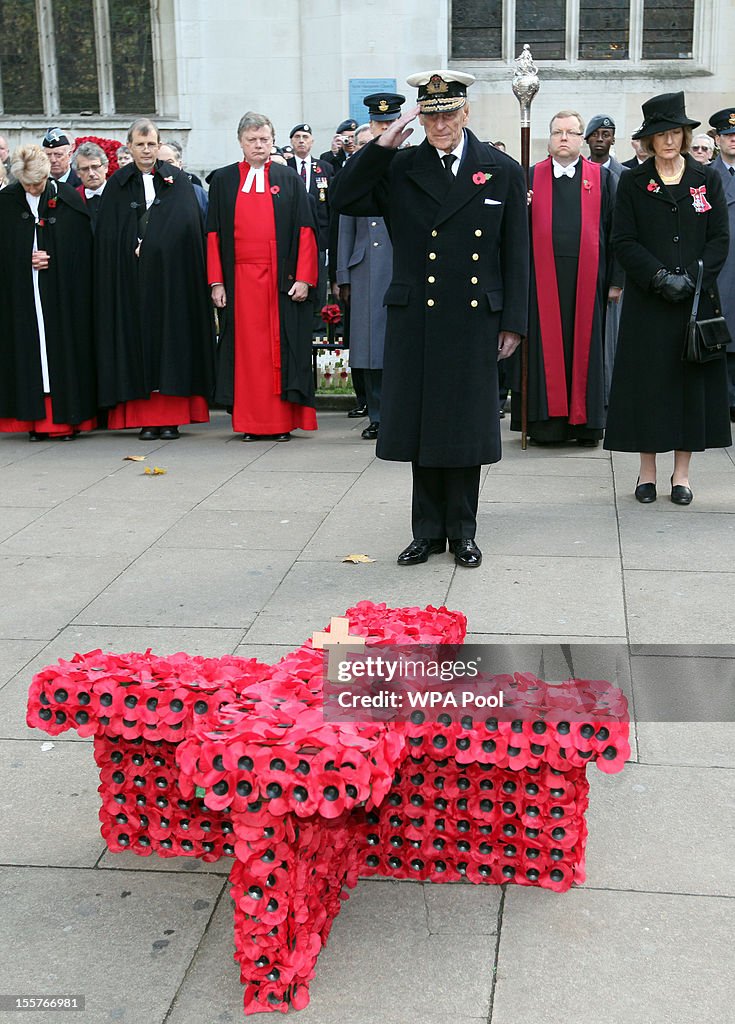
[[598, 121], [441, 91], [300, 128], [54, 138], [347, 126], [723, 121], [384, 106]]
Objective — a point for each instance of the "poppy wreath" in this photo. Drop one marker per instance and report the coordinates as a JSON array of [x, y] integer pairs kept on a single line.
[[230, 757], [109, 147]]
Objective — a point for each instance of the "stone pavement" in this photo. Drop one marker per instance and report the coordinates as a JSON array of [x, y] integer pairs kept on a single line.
[[238, 548]]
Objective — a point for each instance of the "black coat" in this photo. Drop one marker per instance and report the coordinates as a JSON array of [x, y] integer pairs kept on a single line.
[[154, 322], [657, 402], [460, 275], [321, 171], [292, 210], [66, 298]]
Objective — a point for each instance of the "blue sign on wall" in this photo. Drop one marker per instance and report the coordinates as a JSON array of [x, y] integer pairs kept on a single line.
[[361, 87]]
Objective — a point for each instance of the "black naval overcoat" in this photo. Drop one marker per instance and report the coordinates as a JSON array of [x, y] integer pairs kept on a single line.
[[460, 275], [657, 402], [154, 320], [66, 298]]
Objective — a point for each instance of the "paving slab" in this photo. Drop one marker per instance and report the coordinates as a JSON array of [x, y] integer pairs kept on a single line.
[[328, 456], [541, 595], [49, 803], [613, 957], [84, 526], [519, 529], [672, 541], [48, 591], [243, 530], [381, 535], [381, 964], [312, 592], [281, 492], [658, 828], [382, 483], [207, 588], [543, 490], [711, 480], [49, 478], [679, 607], [126, 860], [122, 939], [14, 520], [14, 655], [676, 689], [701, 744], [534, 461]]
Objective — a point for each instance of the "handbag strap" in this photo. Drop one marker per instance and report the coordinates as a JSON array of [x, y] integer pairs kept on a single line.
[[697, 292]]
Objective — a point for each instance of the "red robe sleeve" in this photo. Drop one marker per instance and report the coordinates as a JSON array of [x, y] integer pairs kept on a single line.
[[307, 265], [215, 274]]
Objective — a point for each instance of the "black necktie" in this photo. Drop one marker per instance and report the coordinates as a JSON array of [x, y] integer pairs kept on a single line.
[[448, 160], [731, 170]]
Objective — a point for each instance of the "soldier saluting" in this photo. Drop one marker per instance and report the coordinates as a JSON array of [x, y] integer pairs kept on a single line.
[[457, 302]]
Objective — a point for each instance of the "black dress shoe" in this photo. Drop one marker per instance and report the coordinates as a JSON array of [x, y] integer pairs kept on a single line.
[[36, 435], [358, 412], [370, 432], [420, 549], [680, 495], [732, 413], [251, 437], [466, 552], [645, 493], [149, 434], [281, 437], [169, 433]]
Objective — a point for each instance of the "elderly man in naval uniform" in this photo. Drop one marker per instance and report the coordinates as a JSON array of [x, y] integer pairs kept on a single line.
[[455, 208]]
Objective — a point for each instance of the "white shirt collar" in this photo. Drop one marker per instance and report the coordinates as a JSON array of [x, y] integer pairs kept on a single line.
[[457, 152], [149, 189], [257, 175], [89, 192], [560, 171]]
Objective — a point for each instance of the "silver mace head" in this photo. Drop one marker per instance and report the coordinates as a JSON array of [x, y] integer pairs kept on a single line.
[[525, 79]]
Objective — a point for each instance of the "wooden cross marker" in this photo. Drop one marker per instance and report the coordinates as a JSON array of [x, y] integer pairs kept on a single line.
[[339, 643]]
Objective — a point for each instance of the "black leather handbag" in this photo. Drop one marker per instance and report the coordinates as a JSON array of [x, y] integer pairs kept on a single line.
[[705, 339]]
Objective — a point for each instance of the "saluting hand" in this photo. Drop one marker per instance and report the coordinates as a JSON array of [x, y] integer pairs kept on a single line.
[[396, 135]]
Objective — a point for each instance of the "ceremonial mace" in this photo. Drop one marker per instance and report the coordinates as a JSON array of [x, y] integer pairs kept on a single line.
[[525, 87]]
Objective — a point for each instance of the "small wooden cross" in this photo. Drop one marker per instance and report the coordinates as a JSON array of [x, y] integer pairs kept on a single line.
[[339, 643]]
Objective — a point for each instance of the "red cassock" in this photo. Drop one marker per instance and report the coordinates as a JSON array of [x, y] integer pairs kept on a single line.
[[258, 407]]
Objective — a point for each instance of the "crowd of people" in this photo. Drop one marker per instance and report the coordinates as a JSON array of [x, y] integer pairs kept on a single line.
[[134, 299]]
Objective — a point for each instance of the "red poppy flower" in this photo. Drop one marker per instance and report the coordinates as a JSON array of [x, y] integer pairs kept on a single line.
[[275, 189], [479, 178]]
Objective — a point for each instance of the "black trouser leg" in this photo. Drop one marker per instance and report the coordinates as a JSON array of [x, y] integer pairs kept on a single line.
[[461, 495], [373, 380], [358, 383], [427, 503], [731, 378]]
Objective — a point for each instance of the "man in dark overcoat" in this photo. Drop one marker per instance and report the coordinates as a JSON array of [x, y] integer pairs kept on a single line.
[[456, 211], [155, 327], [724, 124], [316, 176]]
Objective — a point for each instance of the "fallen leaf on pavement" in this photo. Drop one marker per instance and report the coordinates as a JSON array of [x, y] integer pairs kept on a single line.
[[134, 458], [356, 559], [156, 471]]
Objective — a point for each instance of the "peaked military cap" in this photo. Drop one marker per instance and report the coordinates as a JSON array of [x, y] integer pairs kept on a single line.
[[384, 106], [347, 126], [441, 91], [723, 121], [300, 128]]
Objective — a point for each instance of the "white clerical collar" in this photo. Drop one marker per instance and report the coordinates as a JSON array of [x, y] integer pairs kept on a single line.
[[257, 175], [457, 152], [560, 171], [148, 188], [89, 192]]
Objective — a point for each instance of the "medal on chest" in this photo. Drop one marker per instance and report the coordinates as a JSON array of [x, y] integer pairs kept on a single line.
[[699, 199]]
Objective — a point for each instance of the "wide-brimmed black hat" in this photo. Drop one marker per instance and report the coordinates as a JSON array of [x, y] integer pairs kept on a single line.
[[663, 112]]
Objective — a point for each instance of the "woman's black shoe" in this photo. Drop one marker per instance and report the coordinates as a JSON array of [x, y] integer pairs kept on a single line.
[[680, 495], [645, 493]]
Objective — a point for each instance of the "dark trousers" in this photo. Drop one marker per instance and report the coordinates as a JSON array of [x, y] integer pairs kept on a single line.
[[373, 380], [358, 383], [444, 502], [731, 378]]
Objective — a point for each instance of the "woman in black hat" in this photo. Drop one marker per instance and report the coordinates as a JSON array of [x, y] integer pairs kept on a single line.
[[670, 212]]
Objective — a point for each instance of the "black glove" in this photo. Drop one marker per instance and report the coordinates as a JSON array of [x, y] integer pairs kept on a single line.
[[672, 287]]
